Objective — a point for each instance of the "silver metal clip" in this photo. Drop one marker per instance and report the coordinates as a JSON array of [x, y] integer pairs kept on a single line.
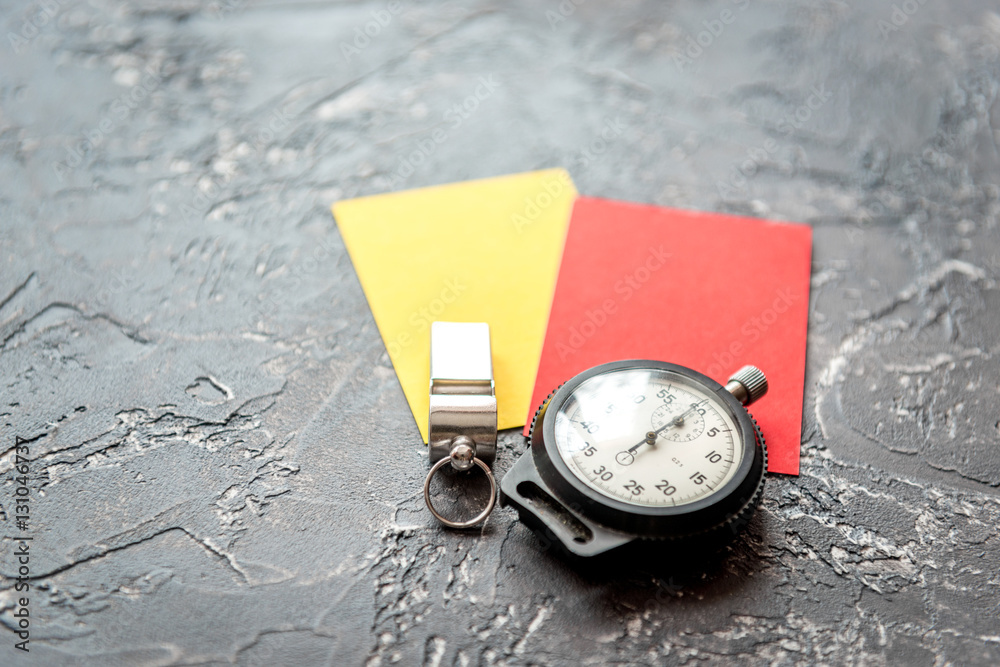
[[463, 407]]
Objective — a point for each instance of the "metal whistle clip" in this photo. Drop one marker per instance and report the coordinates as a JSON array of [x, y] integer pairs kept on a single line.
[[463, 407]]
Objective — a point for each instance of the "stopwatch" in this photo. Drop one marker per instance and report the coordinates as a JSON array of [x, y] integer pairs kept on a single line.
[[641, 450]]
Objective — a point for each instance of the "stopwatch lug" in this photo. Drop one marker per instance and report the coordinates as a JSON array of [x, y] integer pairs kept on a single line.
[[554, 523]]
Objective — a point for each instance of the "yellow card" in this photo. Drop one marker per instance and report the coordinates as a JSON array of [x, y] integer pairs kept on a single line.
[[480, 251]]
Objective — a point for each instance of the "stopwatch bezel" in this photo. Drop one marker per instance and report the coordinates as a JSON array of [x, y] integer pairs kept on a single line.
[[704, 514]]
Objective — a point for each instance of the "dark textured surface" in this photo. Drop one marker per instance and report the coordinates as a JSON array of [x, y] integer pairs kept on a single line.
[[224, 468]]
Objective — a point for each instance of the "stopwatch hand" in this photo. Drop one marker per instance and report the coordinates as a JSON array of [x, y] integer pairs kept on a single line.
[[676, 421]]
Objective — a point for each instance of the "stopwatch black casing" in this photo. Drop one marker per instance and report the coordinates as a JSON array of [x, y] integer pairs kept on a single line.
[[556, 503]]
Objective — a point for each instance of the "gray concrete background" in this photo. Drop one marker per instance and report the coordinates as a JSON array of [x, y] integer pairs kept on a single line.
[[223, 466]]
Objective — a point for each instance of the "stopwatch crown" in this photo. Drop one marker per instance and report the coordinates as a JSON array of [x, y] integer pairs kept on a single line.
[[747, 384]]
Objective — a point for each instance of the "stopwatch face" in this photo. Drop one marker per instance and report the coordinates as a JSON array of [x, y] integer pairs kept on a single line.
[[648, 437]]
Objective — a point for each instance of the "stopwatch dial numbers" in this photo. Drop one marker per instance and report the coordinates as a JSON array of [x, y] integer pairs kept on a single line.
[[680, 422], [665, 441]]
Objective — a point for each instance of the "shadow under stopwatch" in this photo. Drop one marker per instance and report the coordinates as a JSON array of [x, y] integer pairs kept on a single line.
[[675, 570], [669, 585], [460, 495]]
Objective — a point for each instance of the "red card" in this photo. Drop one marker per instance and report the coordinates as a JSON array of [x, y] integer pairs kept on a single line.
[[708, 291]]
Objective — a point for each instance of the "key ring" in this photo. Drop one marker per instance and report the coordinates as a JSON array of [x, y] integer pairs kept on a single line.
[[462, 458], [462, 420]]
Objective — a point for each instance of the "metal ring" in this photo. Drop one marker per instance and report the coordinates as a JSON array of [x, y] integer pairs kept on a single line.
[[471, 522]]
